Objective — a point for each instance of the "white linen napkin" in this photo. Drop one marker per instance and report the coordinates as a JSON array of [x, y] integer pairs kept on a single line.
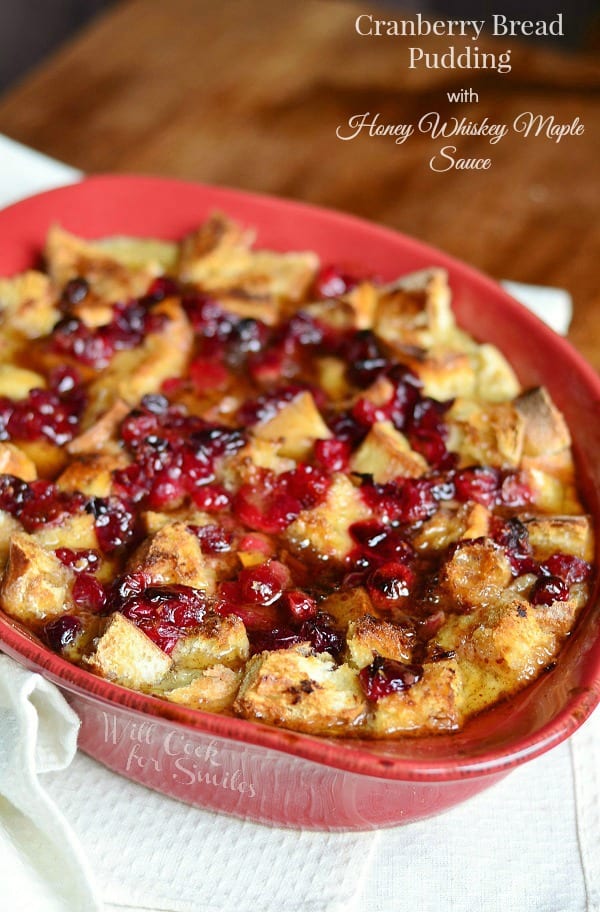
[[75, 837]]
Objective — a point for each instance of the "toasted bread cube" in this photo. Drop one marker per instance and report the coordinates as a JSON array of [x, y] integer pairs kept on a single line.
[[157, 256], [257, 454], [13, 461], [368, 637], [173, 556], [125, 655], [445, 374], [488, 435], [545, 429], [297, 425], [8, 526], [553, 491], [496, 381], [102, 434], [213, 690], [217, 258], [131, 374], [36, 586], [476, 573], [28, 304], [347, 605], [568, 534], [17, 382], [217, 639], [48, 458], [386, 454], [323, 531], [363, 299], [331, 373], [295, 688], [92, 474], [415, 310], [110, 276], [433, 704], [470, 520], [77, 532]]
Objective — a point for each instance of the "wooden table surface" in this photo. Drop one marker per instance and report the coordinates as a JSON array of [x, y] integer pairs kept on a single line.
[[250, 94]]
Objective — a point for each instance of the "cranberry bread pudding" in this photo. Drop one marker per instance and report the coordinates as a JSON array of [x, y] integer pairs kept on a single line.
[[248, 484]]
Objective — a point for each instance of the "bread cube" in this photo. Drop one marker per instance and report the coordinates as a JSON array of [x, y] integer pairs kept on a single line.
[[475, 573], [296, 425], [28, 303], [415, 310], [495, 381], [125, 655], [92, 474], [323, 531], [213, 690], [101, 436], [368, 637], [386, 454], [445, 374], [545, 429], [13, 461], [347, 605], [295, 688], [433, 704], [173, 556], [217, 639], [470, 520], [77, 532], [487, 435], [8, 526], [17, 382], [569, 534], [36, 586]]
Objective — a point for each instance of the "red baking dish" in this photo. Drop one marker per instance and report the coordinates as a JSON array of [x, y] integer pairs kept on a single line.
[[263, 773]]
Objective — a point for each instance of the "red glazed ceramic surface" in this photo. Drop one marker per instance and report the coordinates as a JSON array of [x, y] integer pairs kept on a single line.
[[269, 774]]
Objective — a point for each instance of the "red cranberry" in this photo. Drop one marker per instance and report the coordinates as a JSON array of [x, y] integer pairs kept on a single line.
[[334, 281], [567, 567], [300, 605], [307, 484], [211, 498], [82, 561], [386, 676], [48, 506], [390, 583], [213, 539], [62, 632], [409, 500], [254, 541], [278, 637], [114, 522], [264, 507], [364, 357], [163, 287], [88, 592], [265, 583], [384, 543], [333, 455], [514, 491], [74, 292], [322, 635], [165, 613], [478, 483], [548, 589], [14, 494], [207, 375]]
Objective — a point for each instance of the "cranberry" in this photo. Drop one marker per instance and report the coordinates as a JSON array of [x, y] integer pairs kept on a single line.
[[267, 405], [88, 592], [265, 583], [278, 637], [333, 455], [213, 539], [347, 428], [62, 632], [308, 484], [52, 413], [155, 403], [265, 507], [322, 635], [165, 613], [478, 483], [381, 542], [163, 287], [390, 583], [48, 506], [365, 360], [207, 374], [81, 561], [548, 589], [512, 535], [74, 292], [334, 281], [567, 567], [386, 676], [14, 494], [409, 500], [114, 521], [300, 605], [514, 491]]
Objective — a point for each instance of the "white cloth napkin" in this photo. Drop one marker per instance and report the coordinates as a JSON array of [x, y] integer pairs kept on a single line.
[[75, 837]]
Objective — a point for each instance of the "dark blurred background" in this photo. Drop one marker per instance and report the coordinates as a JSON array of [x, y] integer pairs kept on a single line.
[[31, 29]]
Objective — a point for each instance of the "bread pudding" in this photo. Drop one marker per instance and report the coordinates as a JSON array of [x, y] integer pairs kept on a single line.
[[251, 483]]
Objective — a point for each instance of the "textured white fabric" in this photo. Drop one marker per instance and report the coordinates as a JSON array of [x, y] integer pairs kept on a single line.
[[74, 837]]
